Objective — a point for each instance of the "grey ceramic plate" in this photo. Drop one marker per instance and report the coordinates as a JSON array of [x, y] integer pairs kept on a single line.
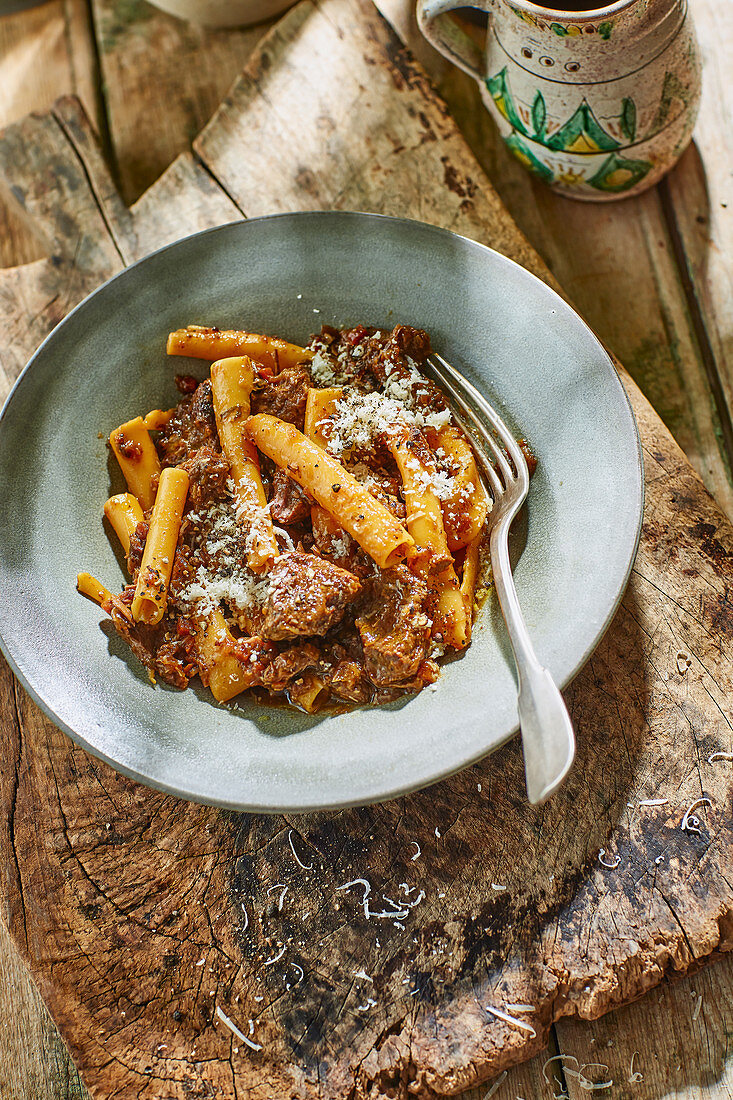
[[288, 274]]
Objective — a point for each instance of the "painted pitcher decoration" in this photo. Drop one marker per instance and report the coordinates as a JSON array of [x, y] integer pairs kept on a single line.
[[598, 104]]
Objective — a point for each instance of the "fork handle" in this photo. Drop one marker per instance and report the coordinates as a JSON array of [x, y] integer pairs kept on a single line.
[[548, 741]]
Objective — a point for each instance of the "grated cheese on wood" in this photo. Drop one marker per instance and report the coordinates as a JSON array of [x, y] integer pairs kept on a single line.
[[691, 823], [235, 1030], [499, 1081], [634, 1075], [500, 1015], [305, 866]]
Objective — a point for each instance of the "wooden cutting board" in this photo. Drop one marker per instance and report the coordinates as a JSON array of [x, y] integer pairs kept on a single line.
[[141, 915]]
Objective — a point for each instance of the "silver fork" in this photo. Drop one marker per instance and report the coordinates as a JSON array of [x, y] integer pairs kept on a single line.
[[548, 740]]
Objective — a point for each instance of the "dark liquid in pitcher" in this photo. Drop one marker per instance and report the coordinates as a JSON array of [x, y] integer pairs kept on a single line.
[[571, 5]]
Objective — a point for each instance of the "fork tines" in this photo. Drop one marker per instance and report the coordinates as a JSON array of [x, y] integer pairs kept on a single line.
[[496, 444]]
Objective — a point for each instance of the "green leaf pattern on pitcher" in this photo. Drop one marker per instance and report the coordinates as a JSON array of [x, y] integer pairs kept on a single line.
[[628, 119], [596, 104], [539, 114]]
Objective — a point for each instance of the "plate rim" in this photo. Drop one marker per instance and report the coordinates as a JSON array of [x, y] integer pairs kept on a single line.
[[401, 788]]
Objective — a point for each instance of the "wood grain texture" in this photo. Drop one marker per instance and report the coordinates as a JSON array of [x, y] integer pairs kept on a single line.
[[183, 197], [700, 199], [162, 79], [347, 153], [34, 1063], [45, 52], [687, 1058], [129, 905], [51, 175]]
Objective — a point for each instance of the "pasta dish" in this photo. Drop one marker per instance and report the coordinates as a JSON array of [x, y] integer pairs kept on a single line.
[[307, 523]]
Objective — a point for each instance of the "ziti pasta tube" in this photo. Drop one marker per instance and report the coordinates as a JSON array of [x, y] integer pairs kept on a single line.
[[219, 668], [465, 509], [214, 343], [91, 587], [138, 459], [372, 525], [231, 386], [469, 578], [151, 590], [425, 524], [157, 419], [424, 514], [124, 513], [318, 405], [450, 618]]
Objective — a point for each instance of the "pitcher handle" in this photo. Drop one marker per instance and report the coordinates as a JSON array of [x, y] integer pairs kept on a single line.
[[447, 35]]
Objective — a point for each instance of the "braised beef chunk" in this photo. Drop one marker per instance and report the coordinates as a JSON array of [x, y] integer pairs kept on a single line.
[[346, 681], [290, 663], [174, 662], [284, 396], [288, 503], [208, 473], [192, 426], [331, 542], [137, 547], [394, 628], [186, 383], [427, 673], [166, 650], [529, 456], [405, 342], [307, 596]]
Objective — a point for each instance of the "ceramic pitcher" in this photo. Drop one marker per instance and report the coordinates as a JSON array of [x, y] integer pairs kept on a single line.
[[598, 104]]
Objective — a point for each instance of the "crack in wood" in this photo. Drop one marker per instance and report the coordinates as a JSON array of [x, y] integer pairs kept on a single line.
[[563, 942]]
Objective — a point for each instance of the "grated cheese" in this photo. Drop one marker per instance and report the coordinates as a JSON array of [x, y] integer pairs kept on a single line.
[[224, 539], [275, 958], [233, 1028], [501, 1015], [305, 866], [561, 1058], [499, 1080], [367, 891], [584, 1082], [279, 886], [690, 823], [359, 419], [634, 1076]]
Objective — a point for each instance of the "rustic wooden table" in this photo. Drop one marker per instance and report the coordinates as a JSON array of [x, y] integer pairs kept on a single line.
[[652, 275]]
